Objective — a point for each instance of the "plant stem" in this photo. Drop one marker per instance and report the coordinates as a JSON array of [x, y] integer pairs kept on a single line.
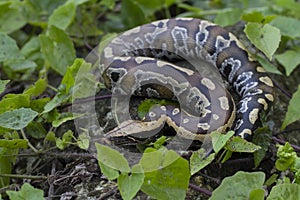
[[29, 144], [24, 176]]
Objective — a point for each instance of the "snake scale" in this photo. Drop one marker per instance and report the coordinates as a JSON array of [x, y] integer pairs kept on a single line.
[[139, 61]]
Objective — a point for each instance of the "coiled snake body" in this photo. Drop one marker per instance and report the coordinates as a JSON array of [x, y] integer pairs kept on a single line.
[[138, 61]]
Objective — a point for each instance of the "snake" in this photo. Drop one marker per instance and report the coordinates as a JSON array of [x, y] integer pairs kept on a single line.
[[142, 61]]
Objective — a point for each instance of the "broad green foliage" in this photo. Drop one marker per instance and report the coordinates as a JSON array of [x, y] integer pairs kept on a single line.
[[166, 174], [9, 50], [264, 37], [292, 114], [239, 186], [3, 83], [289, 59], [17, 119], [112, 158], [129, 185], [199, 160], [286, 191], [10, 18], [58, 49], [219, 140], [27, 192], [262, 138]]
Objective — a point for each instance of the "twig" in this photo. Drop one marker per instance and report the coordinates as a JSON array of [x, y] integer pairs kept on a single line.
[[282, 90], [109, 193], [24, 176], [199, 189], [84, 100], [51, 180], [297, 148]]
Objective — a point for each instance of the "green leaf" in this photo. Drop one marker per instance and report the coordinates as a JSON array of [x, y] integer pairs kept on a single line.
[[289, 60], [258, 17], [27, 192], [109, 172], [264, 37], [263, 138], [271, 180], [159, 142], [17, 119], [292, 114], [9, 50], [131, 9], [63, 16], [11, 18], [108, 3], [166, 174], [112, 158], [286, 191], [199, 160], [238, 144], [3, 84], [219, 140], [14, 101], [83, 141], [269, 67], [83, 82], [228, 17], [56, 101], [14, 144], [36, 130], [38, 88], [64, 117], [65, 141], [129, 185], [244, 181], [257, 194], [286, 157], [288, 26], [5, 168], [58, 49]]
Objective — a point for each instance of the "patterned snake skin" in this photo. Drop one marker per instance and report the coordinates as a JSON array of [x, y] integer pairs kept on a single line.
[[140, 61]]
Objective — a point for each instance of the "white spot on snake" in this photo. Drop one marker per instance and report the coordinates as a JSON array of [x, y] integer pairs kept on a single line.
[[184, 70], [244, 104], [186, 19], [215, 116], [266, 80], [263, 102], [224, 103], [124, 59], [270, 97], [238, 124], [163, 108], [108, 53], [185, 120], [208, 83], [260, 69], [152, 114], [180, 36], [253, 115], [204, 126], [246, 131], [139, 60], [161, 63], [175, 111], [233, 64]]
